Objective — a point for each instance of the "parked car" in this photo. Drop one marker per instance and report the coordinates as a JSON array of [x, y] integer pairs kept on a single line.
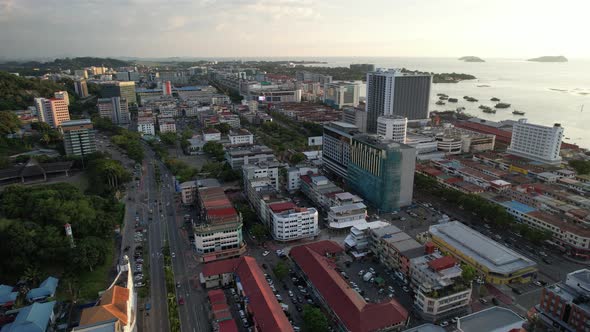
[[444, 324], [265, 253], [181, 301]]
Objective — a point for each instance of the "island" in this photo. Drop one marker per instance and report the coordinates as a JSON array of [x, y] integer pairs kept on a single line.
[[549, 58], [471, 58]]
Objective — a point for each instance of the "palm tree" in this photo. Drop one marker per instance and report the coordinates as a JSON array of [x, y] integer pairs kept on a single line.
[[32, 275]]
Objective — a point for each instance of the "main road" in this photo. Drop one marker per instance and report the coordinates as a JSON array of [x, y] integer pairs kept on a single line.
[[167, 225]]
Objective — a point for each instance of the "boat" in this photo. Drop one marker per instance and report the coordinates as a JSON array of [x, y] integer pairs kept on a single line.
[[443, 98], [441, 95], [471, 99], [502, 105], [453, 100], [440, 102], [515, 112], [460, 109], [489, 110], [495, 99]]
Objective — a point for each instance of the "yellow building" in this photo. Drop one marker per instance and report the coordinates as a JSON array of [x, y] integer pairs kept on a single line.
[[495, 262]]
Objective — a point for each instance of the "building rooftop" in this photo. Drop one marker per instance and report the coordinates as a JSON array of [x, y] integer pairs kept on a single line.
[[485, 251], [356, 314], [520, 207], [113, 304], [47, 288], [79, 122], [33, 318], [494, 319]]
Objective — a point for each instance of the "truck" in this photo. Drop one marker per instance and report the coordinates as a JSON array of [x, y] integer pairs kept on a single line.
[[368, 276]]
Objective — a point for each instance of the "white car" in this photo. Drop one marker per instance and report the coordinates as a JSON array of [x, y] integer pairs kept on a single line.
[[173, 255], [444, 324], [265, 253], [406, 289]]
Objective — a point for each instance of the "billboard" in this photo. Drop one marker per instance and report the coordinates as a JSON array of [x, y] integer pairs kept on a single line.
[[314, 140]]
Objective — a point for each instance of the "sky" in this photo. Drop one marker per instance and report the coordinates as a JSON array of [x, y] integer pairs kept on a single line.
[[282, 28]]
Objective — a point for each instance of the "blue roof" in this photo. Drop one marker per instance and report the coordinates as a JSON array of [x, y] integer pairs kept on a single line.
[[33, 318], [522, 208], [7, 295], [46, 289]]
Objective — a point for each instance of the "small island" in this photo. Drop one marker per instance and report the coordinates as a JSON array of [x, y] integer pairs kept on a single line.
[[556, 58], [471, 58]]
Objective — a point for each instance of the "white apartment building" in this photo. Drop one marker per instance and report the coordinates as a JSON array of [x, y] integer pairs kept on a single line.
[[241, 137], [262, 170], [167, 125], [145, 124], [358, 242], [290, 222], [294, 176], [211, 134], [440, 290], [392, 127], [540, 143], [52, 111], [341, 94], [346, 216]]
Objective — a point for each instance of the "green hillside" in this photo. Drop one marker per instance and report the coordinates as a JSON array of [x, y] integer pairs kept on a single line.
[[18, 92]]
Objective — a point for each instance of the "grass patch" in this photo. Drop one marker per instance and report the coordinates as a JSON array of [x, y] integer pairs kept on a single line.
[[98, 280]]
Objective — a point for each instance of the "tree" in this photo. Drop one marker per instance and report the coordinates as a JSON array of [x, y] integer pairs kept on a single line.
[[168, 138], [9, 123], [224, 128], [89, 252], [580, 166], [280, 270], [314, 319], [186, 134], [215, 150], [468, 273], [259, 232], [296, 158]]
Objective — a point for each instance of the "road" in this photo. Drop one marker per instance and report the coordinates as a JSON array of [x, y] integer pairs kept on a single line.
[[166, 225]]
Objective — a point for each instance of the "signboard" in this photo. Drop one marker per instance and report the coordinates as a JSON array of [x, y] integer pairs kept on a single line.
[[315, 141]]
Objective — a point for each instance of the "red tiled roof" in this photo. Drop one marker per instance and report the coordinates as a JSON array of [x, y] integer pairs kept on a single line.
[[280, 207], [267, 312], [348, 305], [228, 326], [211, 131], [216, 296], [453, 180], [220, 267], [218, 307], [442, 263], [223, 212]]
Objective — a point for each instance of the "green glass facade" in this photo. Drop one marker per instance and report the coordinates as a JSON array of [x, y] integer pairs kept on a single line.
[[382, 172]]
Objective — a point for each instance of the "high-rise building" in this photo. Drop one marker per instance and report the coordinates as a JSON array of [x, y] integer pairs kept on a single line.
[[62, 95], [382, 171], [392, 127], [52, 111], [167, 88], [540, 143], [82, 73], [114, 108], [81, 88], [119, 89], [79, 137], [391, 92], [356, 116], [337, 139], [340, 94]]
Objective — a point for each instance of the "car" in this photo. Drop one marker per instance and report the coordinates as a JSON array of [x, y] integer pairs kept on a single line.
[[372, 270], [517, 290], [361, 272], [242, 314], [546, 261], [291, 294], [537, 283], [173, 255], [390, 295], [483, 301], [294, 279], [178, 284], [298, 308], [405, 289], [303, 291], [455, 319], [139, 284], [245, 323], [444, 324], [279, 297], [232, 291], [265, 253], [390, 288], [181, 301], [139, 260]]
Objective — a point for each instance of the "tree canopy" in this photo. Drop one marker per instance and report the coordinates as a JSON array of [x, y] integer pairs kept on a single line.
[[314, 319], [17, 92], [32, 223], [580, 166]]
